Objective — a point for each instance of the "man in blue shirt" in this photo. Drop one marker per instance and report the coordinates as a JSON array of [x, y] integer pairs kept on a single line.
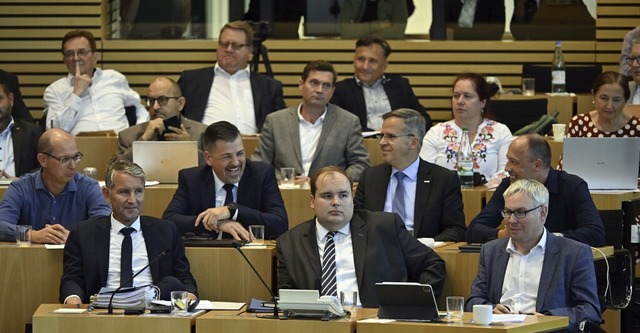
[[55, 197]]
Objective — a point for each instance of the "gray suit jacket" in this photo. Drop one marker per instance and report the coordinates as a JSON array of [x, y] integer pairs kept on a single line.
[[632, 88], [340, 142], [126, 137], [567, 281]]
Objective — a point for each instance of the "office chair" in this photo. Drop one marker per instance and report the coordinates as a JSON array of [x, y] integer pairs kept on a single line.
[[579, 79], [517, 114], [130, 112]]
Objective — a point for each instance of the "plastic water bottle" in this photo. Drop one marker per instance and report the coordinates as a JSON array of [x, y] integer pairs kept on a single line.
[[558, 76], [465, 160]]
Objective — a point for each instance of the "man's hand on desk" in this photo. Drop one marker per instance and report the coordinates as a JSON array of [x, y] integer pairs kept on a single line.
[[210, 217], [73, 300], [50, 234], [235, 229]]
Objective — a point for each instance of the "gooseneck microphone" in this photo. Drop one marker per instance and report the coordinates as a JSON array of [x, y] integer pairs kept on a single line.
[[274, 299], [162, 254]]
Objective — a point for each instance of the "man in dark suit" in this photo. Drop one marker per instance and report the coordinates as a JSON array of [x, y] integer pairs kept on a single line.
[[20, 110], [89, 263], [425, 195], [236, 95], [23, 134], [165, 101], [532, 270], [228, 194], [372, 93], [368, 247]]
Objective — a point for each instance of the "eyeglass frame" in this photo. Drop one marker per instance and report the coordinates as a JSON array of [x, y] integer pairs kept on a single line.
[[506, 214], [631, 60], [80, 53], [66, 160], [234, 46], [391, 136], [152, 100]]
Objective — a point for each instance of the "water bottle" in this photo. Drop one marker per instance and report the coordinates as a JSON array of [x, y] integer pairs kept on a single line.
[[465, 160], [558, 76]]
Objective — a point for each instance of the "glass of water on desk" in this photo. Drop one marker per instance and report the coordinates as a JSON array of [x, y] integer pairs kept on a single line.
[[349, 303]]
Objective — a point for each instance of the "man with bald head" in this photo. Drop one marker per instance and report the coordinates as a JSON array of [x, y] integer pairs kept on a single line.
[[165, 102], [54, 198]]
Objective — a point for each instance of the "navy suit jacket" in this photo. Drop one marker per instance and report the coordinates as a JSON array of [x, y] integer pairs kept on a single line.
[[259, 199], [438, 209], [196, 86], [382, 251], [19, 110], [86, 256], [567, 281], [25, 137], [349, 96]]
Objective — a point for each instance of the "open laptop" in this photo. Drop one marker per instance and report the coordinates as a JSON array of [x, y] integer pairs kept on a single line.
[[161, 160], [407, 301], [604, 163]]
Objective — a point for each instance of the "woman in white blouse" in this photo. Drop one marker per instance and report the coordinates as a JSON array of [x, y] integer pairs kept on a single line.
[[489, 139]]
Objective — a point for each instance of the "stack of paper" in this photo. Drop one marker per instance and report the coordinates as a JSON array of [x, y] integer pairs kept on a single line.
[[136, 297]]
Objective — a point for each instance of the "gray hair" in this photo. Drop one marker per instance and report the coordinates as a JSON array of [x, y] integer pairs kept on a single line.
[[532, 188], [414, 121], [122, 166]]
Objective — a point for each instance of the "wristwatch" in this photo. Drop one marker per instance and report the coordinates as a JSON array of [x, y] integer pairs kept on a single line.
[[233, 207]]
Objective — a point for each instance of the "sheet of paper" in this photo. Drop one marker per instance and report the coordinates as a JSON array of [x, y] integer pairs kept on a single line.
[[54, 246], [69, 311], [509, 318], [210, 305], [376, 320]]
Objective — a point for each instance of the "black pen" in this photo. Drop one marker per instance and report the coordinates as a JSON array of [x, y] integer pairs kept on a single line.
[[508, 308]]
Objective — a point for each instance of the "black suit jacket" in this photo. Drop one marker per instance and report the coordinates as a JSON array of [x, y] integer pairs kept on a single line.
[[382, 251], [25, 137], [86, 256], [259, 199], [438, 212], [20, 110], [349, 96], [196, 86]]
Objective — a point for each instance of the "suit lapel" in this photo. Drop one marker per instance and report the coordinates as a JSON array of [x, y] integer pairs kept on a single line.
[[548, 269], [310, 247], [18, 142], [152, 246], [102, 242], [294, 132], [423, 189], [256, 92], [244, 186], [358, 94], [501, 260], [359, 232], [207, 194], [379, 186], [327, 124]]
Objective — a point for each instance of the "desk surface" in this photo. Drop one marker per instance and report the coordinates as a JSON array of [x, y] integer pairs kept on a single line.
[[45, 321]]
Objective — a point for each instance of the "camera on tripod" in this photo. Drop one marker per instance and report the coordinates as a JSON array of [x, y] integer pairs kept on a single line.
[[261, 31]]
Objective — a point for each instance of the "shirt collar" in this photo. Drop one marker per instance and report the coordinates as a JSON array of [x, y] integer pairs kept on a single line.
[[411, 171], [71, 186], [301, 119], [116, 225], [9, 127], [542, 244], [382, 80], [219, 70], [321, 232], [218, 184]]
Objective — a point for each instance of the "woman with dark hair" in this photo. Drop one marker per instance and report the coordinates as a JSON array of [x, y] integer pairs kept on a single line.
[[489, 139]]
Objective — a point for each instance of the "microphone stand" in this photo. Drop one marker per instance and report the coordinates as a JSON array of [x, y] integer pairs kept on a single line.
[[274, 299], [110, 307]]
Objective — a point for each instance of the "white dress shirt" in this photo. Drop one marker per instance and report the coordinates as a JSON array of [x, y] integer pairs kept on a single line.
[[345, 266], [231, 99], [522, 277], [7, 159], [409, 182], [139, 255], [221, 193], [309, 137], [376, 100], [100, 108]]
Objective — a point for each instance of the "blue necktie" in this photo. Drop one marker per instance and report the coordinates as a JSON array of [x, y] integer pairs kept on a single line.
[[398, 198], [229, 198], [329, 283], [126, 257]]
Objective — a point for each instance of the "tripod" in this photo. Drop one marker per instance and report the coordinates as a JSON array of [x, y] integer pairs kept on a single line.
[[260, 50]]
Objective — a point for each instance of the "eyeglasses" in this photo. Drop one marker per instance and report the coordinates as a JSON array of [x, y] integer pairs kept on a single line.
[[234, 46], [162, 100], [390, 136], [631, 60], [66, 160], [81, 53], [519, 214]]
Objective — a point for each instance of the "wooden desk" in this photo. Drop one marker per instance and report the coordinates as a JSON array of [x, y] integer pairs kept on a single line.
[[531, 324], [98, 151], [562, 103], [230, 321], [45, 321], [474, 201]]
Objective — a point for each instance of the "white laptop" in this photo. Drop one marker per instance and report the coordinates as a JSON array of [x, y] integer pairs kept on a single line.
[[604, 163], [161, 160]]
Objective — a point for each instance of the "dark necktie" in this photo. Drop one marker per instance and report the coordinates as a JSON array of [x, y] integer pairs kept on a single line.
[[126, 257], [329, 283], [229, 198], [398, 198]]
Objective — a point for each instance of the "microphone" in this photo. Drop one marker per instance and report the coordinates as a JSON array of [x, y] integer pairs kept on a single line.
[[162, 254], [274, 299]]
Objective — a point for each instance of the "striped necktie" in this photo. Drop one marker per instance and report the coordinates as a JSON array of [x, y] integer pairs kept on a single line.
[[398, 199], [329, 283]]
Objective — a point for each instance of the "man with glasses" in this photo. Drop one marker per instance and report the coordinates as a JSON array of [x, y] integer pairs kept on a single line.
[[89, 98], [314, 133], [229, 91], [533, 271], [425, 195], [633, 60], [572, 213], [54, 198], [627, 43], [165, 101]]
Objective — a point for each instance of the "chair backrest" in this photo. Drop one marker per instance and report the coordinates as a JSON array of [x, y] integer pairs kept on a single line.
[[613, 222], [130, 112], [579, 79], [517, 113], [614, 277]]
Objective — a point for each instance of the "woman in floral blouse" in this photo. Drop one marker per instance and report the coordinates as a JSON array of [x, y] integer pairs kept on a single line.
[[490, 139]]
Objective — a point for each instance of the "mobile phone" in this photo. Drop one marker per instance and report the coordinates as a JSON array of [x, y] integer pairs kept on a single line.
[[173, 122]]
